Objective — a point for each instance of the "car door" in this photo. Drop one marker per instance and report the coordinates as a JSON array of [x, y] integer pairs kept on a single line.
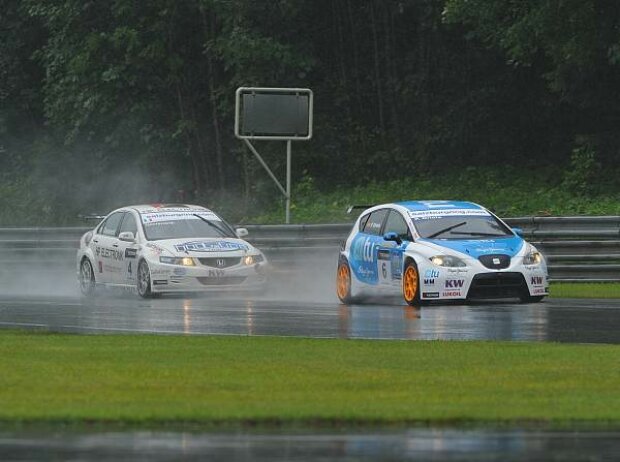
[[105, 249], [390, 253], [364, 247], [129, 250]]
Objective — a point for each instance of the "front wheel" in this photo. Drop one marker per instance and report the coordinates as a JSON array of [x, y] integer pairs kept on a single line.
[[411, 285], [87, 278], [144, 280]]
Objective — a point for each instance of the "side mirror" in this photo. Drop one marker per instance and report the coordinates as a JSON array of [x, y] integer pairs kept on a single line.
[[241, 232], [392, 236], [518, 231], [127, 236]]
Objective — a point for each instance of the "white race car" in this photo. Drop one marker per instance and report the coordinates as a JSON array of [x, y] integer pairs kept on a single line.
[[438, 250], [168, 248]]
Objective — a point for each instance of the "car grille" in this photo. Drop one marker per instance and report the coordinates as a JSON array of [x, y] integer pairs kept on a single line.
[[495, 261], [221, 262], [497, 285], [223, 281]]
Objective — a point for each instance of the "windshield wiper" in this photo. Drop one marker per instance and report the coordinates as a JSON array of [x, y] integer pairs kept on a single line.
[[479, 234], [445, 230], [221, 230]]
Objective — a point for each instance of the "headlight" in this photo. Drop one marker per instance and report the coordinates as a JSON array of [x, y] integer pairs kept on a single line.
[[532, 258], [251, 259], [183, 261], [448, 261]]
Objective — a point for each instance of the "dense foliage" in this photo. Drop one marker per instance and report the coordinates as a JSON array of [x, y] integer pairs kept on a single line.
[[105, 103]]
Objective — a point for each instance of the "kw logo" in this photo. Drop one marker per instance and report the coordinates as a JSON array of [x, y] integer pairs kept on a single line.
[[454, 283], [537, 280]]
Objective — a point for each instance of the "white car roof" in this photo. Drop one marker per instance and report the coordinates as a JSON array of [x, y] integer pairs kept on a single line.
[[162, 208]]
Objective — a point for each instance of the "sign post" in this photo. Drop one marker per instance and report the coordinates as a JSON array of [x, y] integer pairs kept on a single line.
[[274, 114]]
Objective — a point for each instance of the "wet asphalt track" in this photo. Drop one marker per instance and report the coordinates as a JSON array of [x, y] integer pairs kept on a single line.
[[589, 321]]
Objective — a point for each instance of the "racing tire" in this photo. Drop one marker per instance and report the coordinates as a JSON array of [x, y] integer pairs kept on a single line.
[[143, 284], [411, 284], [344, 289], [532, 299], [87, 278]]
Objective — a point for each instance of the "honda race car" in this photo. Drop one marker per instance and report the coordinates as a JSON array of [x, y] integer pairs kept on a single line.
[[161, 248], [438, 250]]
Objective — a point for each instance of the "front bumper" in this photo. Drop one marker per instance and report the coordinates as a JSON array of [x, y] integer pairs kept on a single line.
[[173, 278]]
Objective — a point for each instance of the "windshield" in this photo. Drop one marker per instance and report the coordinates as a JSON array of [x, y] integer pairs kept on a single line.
[[159, 226], [480, 226]]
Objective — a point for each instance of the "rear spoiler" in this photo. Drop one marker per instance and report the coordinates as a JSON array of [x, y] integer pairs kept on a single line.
[[91, 216], [358, 207]]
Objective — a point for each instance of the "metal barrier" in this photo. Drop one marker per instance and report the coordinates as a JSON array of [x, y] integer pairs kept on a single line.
[[577, 248]]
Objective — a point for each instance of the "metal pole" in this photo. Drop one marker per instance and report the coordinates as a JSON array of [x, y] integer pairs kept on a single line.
[[288, 181]]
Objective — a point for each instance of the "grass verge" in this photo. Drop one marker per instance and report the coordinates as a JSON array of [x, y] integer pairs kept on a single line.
[[223, 380], [584, 290]]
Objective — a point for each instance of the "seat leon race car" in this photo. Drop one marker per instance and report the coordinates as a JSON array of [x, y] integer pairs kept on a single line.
[[175, 248], [438, 250]]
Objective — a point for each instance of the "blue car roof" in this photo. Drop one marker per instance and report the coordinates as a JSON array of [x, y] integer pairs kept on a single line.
[[418, 206]]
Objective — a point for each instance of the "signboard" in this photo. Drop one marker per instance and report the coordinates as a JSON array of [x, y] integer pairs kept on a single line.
[[273, 113]]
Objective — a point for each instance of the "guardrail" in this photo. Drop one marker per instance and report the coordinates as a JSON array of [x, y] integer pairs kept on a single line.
[[577, 248]]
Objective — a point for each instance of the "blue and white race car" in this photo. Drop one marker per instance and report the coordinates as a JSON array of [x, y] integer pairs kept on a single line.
[[438, 250], [168, 248]]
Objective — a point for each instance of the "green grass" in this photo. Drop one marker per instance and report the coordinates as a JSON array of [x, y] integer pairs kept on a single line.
[[584, 290], [223, 380]]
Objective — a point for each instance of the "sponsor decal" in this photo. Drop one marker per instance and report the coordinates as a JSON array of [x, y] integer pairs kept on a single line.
[[364, 272], [536, 280], [216, 273], [154, 217], [454, 283], [429, 282], [384, 272], [158, 272], [431, 273], [452, 293], [157, 250], [180, 271], [433, 214], [109, 253], [457, 271], [496, 261], [131, 253], [217, 246], [539, 291], [430, 294]]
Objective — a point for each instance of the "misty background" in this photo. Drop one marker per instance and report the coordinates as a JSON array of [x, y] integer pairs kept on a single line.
[[103, 104]]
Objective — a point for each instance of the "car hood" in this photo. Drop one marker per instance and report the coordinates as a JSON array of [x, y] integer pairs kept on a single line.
[[202, 247], [477, 247]]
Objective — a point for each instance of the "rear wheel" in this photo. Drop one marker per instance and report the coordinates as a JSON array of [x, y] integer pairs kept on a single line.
[[411, 285], [144, 280], [87, 278], [343, 281]]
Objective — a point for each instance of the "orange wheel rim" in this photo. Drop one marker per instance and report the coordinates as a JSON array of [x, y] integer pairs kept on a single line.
[[344, 281], [410, 286]]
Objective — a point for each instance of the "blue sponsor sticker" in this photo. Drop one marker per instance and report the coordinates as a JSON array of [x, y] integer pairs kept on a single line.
[[217, 246]]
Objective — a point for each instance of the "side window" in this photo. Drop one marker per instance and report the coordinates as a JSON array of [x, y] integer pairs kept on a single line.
[[373, 225], [110, 225], [397, 224], [129, 224], [363, 222]]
